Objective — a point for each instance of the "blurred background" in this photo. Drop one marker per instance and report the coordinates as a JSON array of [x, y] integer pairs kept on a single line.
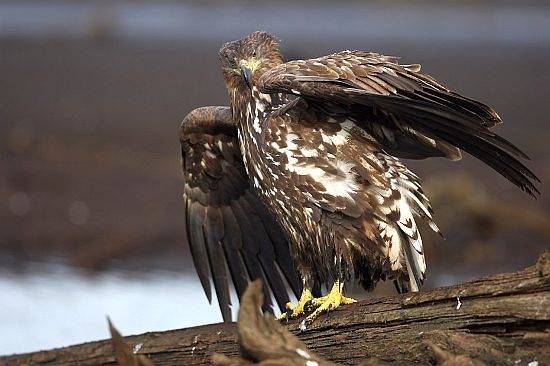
[[91, 97]]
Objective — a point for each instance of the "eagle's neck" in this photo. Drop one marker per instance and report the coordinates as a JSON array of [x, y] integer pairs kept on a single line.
[[252, 110]]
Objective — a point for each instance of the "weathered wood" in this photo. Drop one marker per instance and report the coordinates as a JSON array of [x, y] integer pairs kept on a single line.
[[124, 354], [499, 320], [265, 341]]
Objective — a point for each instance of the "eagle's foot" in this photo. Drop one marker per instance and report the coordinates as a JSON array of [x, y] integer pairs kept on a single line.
[[331, 301], [295, 311]]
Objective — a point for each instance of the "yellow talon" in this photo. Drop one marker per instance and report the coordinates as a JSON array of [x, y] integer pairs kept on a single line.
[[299, 308], [331, 301]]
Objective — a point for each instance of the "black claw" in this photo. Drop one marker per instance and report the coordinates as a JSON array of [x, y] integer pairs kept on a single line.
[[308, 306]]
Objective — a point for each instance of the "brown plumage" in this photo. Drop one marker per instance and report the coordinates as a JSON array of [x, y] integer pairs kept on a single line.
[[225, 220], [319, 146]]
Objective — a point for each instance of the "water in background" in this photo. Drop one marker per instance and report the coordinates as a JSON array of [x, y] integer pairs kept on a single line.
[[403, 21], [54, 305]]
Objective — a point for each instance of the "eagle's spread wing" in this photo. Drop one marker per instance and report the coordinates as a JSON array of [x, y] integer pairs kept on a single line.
[[225, 221], [410, 113]]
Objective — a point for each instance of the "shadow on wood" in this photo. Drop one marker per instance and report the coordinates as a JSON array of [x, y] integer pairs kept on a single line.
[[498, 320]]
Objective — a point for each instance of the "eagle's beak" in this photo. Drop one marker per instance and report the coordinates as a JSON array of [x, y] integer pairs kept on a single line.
[[246, 73]]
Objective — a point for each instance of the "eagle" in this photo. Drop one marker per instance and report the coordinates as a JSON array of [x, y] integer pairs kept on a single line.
[[299, 181]]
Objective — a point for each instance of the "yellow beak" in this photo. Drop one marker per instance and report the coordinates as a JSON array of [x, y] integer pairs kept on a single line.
[[247, 70]]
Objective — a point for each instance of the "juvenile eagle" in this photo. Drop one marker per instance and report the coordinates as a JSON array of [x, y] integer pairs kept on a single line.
[[302, 172]]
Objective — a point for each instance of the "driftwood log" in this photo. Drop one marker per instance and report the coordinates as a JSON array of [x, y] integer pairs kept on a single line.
[[498, 320]]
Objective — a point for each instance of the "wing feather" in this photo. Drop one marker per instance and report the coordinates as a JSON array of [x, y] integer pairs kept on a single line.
[[251, 249], [424, 117], [195, 217], [229, 231], [266, 255], [213, 228], [283, 259], [233, 247]]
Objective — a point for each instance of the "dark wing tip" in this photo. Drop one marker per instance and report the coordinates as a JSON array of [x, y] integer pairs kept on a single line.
[[229, 230], [195, 237]]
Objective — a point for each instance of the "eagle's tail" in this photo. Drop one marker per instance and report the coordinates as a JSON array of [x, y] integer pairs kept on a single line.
[[413, 262], [407, 242], [412, 279]]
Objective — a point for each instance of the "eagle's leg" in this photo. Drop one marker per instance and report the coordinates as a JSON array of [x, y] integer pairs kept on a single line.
[[331, 301], [296, 310]]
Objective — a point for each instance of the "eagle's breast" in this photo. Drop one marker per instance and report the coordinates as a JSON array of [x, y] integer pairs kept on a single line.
[[311, 160], [330, 187]]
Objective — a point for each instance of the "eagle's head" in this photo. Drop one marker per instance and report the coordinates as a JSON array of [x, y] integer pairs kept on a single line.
[[245, 60]]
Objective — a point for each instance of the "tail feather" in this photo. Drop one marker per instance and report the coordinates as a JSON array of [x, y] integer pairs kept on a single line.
[[406, 239], [411, 247], [416, 276]]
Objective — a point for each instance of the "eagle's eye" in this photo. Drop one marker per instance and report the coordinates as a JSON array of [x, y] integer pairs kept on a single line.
[[254, 53], [232, 62]]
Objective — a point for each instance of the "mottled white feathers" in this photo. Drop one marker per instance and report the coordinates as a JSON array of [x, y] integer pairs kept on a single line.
[[343, 180], [411, 203]]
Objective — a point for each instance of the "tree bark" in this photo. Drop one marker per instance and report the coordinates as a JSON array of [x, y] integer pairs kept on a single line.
[[498, 320]]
